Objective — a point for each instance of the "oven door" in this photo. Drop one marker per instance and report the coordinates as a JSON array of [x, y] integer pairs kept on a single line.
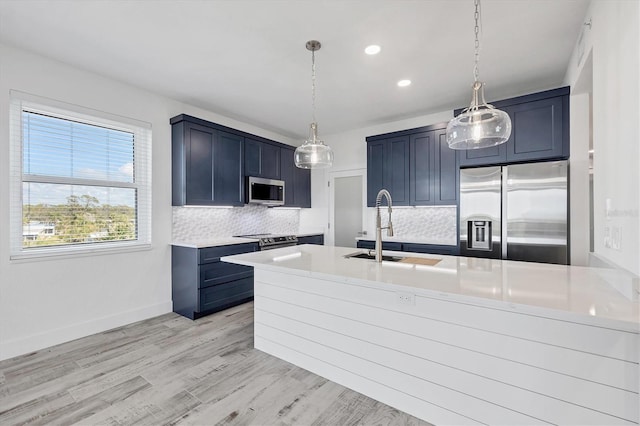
[[277, 246]]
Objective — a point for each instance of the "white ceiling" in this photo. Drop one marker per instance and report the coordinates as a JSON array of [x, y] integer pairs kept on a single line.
[[246, 59]]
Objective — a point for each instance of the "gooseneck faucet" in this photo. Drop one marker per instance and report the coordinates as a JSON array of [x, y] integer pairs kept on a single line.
[[379, 228]]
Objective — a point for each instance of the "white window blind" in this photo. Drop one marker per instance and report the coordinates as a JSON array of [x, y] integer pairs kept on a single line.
[[80, 179]]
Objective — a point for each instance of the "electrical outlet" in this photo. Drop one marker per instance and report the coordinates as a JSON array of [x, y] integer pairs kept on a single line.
[[616, 236], [405, 298]]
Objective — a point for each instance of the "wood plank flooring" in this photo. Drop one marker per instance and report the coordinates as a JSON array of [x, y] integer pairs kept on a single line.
[[170, 370]]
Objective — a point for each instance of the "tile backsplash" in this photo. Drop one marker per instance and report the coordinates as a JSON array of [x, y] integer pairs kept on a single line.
[[437, 224], [199, 223], [429, 224]]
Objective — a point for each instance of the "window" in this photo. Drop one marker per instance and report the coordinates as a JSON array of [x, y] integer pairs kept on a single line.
[[80, 179]]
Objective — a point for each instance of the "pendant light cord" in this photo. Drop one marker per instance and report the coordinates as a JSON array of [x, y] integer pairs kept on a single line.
[[476, 71], [313, 86]]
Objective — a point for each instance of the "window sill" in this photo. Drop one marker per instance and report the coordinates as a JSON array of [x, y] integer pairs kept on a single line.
[[59, 253]]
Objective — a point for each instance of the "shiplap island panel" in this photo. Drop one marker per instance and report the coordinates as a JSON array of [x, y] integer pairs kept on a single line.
[[465, 341]]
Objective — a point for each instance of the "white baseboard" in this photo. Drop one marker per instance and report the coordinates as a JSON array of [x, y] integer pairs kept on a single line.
[[45, 339]]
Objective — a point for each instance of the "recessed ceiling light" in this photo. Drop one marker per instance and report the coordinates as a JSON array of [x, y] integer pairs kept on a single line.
[[374, 49], [404, 83]]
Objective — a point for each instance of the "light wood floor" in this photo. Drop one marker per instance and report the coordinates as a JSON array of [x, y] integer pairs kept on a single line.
[[171, 370]]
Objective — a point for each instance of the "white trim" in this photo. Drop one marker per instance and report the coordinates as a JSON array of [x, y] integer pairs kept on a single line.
[[77, 181], [96, 117], [142, 137], [332, 178], [71, 251]]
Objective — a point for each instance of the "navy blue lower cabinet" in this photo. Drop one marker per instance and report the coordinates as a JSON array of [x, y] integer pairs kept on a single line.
[[201, 284], [386, 245], [312, 239], [430, 248], [226, 295], [410, 247]]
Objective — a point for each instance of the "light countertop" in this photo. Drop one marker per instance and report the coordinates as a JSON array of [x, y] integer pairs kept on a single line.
[[572, 293], [226, 241], [214, 242]]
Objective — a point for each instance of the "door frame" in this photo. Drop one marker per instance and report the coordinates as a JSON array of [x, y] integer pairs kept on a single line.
[[332, 184]]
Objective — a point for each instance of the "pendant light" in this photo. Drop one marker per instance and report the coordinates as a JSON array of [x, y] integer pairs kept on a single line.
[[313, 153], [481, 125]]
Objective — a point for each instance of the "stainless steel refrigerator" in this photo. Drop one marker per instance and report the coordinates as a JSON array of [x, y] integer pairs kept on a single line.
[[516, 212]]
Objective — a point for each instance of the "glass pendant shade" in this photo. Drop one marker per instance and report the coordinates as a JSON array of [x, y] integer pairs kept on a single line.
[[479, 126], [313, 153]]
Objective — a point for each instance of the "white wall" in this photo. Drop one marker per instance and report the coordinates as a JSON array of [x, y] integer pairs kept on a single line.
[[579, 178], [612, 42], [46, 302]]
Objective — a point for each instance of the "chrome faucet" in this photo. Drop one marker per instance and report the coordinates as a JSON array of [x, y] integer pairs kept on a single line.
[[379, 228]]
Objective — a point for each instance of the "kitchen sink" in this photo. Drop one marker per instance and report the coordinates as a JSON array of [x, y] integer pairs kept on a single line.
[[360, 255]]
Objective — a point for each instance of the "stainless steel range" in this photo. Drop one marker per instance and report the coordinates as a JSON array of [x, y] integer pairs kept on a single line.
[[271, 241]]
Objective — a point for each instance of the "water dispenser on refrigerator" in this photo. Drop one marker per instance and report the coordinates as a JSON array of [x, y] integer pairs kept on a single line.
[[480, 235]]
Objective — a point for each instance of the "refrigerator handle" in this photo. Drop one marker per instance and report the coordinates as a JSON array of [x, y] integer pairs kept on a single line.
[[504, 221]]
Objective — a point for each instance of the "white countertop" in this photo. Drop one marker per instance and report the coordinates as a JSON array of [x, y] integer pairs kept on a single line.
[[214, 242], [226, 241], [572, 293]]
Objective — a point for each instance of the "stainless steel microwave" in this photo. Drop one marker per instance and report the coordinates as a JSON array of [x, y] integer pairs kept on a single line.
[[269, 192]]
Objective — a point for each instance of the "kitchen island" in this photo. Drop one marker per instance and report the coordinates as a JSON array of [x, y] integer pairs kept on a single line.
[[463, 341]]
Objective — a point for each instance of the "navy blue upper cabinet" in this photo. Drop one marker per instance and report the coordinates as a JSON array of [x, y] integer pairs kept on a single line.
[[297, 182], [208, 166], [210, 162], [434, 169], [302, 187], [429, 170], [375, 170], [286, 174], [483, 156], [421, 185], [540, 131], [445, 179], [261, 159], [228, 166], [388, 168]]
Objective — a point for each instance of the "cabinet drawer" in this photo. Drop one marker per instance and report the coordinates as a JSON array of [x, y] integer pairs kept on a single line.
[[212, 254], [224, 295], [386, 245], [220, 272], [312, 239], [430, 248]]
